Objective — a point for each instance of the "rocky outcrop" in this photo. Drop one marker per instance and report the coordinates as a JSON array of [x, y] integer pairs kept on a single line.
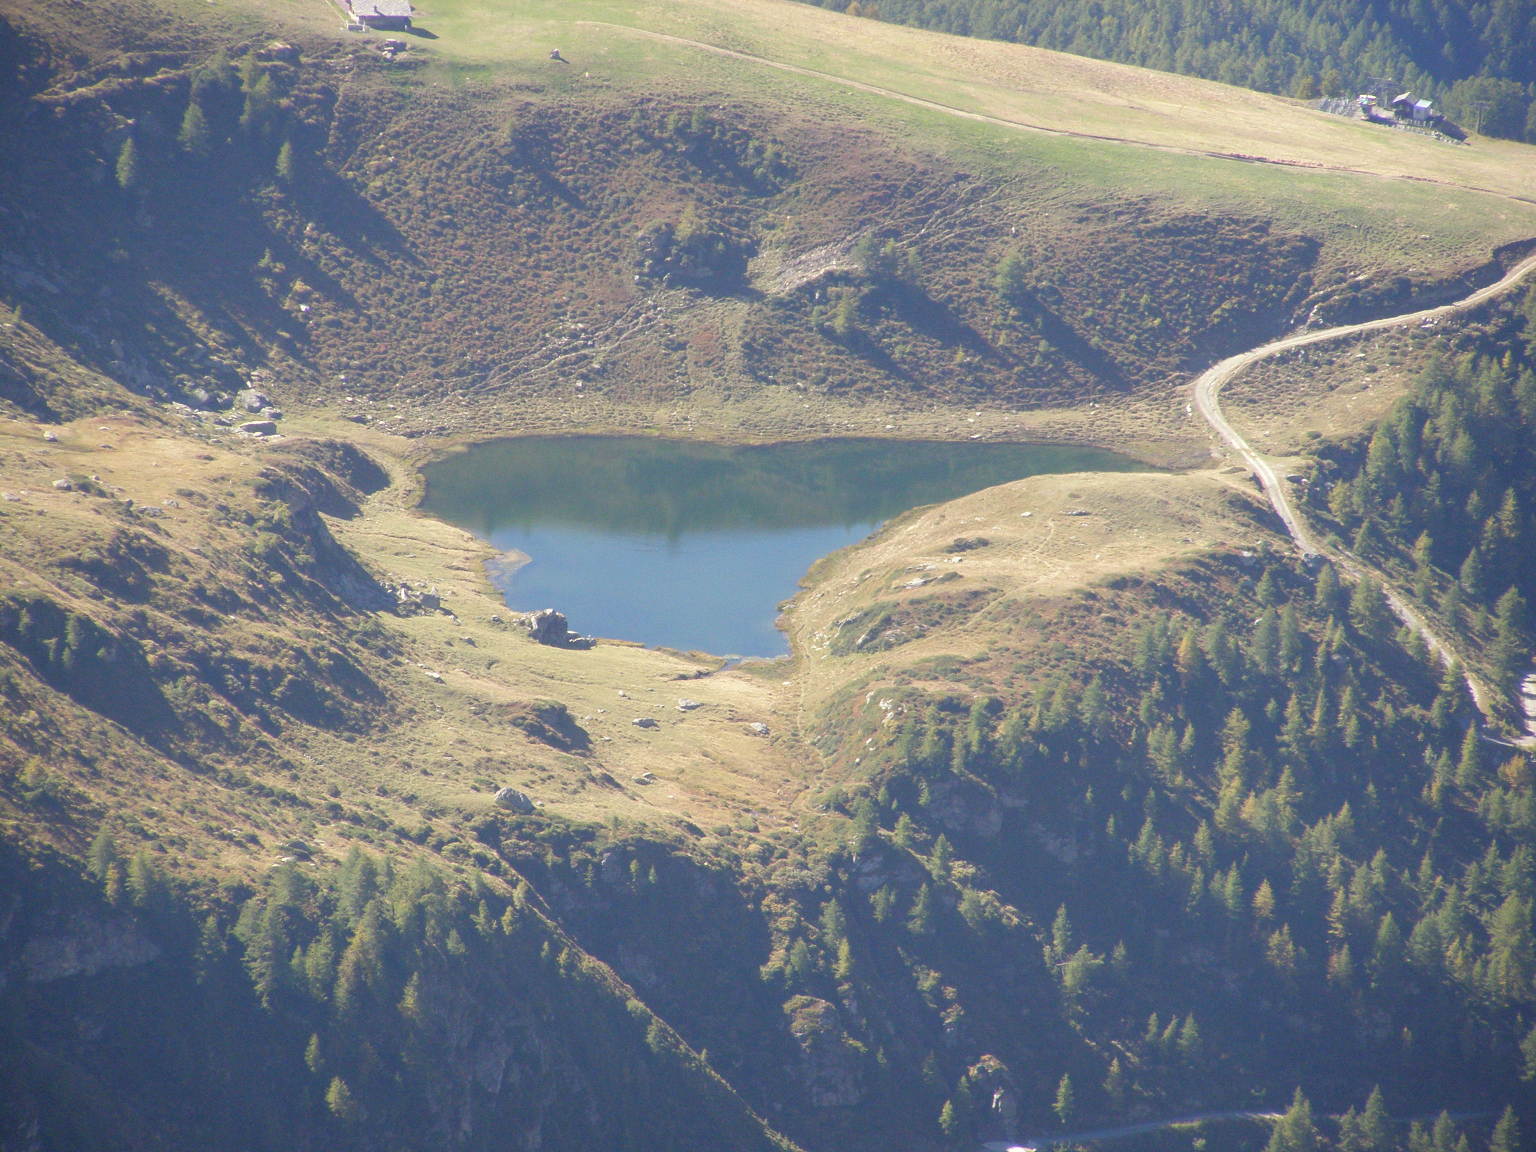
[[967, 807], [831, 1062], [550, 722], [993, 1085], [82, 945], [307, 490], [547, 626]]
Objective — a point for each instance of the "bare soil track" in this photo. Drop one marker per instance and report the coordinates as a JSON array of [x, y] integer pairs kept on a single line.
[[1206, 391]]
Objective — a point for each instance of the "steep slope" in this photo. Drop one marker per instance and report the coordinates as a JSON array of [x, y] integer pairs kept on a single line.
[[316, 219], [1081, 799]]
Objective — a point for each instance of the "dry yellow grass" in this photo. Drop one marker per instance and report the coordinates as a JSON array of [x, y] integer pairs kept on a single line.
[[1281, 407], [1012, 82], [1045, 536], [448, 741], [464, 672], [446, 738]]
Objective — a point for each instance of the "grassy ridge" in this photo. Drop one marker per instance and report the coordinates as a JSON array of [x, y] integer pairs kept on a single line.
[[1012, 82]]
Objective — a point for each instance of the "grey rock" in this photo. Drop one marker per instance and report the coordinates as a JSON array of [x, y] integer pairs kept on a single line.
[[258, 428], [550, 627], [412, 601], [82, 945], [646, 722], [514, 801], [252, 399], [830, 1064]]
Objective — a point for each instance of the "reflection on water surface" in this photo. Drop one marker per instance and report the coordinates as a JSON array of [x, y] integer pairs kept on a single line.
[[693, 546]]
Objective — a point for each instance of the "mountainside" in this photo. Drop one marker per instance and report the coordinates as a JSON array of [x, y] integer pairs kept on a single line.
[[1476, 58], [1083, 802]]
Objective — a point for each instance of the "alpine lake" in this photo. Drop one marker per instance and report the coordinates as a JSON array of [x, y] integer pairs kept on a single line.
[[693, 546]]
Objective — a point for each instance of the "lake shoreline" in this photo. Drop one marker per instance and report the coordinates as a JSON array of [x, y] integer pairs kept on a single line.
[[694, 545]]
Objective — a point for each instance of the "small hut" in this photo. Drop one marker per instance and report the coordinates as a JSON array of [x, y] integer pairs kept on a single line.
[[387, 15]]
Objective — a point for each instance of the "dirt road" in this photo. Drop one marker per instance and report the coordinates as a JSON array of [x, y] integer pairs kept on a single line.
[[1205, 397]]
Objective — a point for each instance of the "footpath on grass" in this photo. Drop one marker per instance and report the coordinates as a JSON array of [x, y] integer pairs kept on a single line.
[[1012, 122]]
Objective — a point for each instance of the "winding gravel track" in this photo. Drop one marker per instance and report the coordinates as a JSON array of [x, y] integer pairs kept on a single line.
[[1206, 392], [1207, 386]]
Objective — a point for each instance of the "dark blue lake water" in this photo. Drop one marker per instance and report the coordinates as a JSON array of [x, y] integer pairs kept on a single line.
[[693, 546]]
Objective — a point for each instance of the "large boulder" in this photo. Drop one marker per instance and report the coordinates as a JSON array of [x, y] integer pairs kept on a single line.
[[514, 801], [251, 399], [550, 627]]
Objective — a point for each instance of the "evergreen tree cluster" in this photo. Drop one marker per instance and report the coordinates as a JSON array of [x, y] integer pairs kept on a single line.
[[1443, 491], [1276, 806], [368, 1006], [233, 110]]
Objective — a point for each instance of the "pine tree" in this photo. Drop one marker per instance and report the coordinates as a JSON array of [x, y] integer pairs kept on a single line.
[[259, 115], [1190, 1044], [195, 137], [1327, 594], [920, 918], [1115, 1087], [1061, 933], [1351, 1138], [1294, 1131], [1375, 1126], [1506, 1133], [1509, 651], [843, 969], [338, 1098], [949, 1123], [410, 999], [1264, 902], [1065, 1106], [314, 1058], [1469, 766], [1011, 282], [1368, 609], [1387, 956], [145, 890], [939, 862], [130, 177], [285, 168], [1512, 950], [103, 854]]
